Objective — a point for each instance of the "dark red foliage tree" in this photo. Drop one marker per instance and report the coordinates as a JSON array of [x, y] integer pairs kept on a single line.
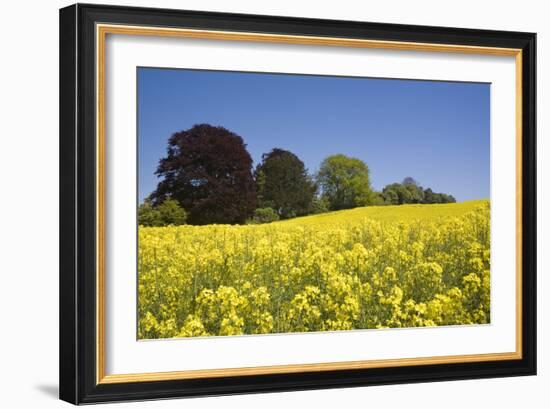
[[209, 172]]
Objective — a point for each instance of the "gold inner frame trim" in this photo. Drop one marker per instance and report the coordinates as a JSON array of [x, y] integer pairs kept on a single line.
[[101, 33]]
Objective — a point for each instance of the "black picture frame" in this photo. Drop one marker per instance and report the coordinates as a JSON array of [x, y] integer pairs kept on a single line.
[[78, 360]]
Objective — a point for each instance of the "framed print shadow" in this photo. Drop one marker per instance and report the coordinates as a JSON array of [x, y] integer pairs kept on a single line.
[[259, 204]]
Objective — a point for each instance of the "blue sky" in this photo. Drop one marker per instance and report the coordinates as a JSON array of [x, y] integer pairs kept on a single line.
[[436, 132]]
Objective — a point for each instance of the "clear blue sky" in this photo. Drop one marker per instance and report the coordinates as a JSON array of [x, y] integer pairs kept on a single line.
[[436, 132]]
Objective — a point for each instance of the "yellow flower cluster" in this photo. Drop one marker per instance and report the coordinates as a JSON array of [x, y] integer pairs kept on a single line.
[[422, 266]]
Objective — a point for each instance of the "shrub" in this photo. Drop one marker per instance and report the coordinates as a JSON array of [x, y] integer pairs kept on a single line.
[[265, 215], [168, 212], [171, 213], [318, 205], [148, 215]]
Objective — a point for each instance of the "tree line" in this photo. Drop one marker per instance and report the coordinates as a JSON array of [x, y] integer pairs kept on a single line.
[[208, 177]]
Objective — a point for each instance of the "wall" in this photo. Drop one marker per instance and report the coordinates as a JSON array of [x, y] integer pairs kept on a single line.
[[29, 202]]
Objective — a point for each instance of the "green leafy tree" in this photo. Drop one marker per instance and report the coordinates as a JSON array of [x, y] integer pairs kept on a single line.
[[168, 212], [148, 215], [318, 205], [410, 191], [429, 196], [416, 193], [445, 198], [396, 194], [377, 199], [171, 213], [390, 196], [345, 182], [283, 184]]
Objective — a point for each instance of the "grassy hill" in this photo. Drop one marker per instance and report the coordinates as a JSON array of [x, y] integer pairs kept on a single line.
[[390, 213]]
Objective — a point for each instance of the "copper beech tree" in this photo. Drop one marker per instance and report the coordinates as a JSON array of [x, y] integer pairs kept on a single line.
[[208, 171]]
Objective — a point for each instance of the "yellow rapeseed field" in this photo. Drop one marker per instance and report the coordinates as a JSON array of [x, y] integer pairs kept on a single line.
[[372, 267]]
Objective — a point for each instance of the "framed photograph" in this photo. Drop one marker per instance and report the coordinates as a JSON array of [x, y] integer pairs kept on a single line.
[[257, 203]]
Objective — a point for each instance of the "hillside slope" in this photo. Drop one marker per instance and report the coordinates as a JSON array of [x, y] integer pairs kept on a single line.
[[390, 213]]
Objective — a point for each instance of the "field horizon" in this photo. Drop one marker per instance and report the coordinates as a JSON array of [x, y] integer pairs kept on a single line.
[[392, 212]]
